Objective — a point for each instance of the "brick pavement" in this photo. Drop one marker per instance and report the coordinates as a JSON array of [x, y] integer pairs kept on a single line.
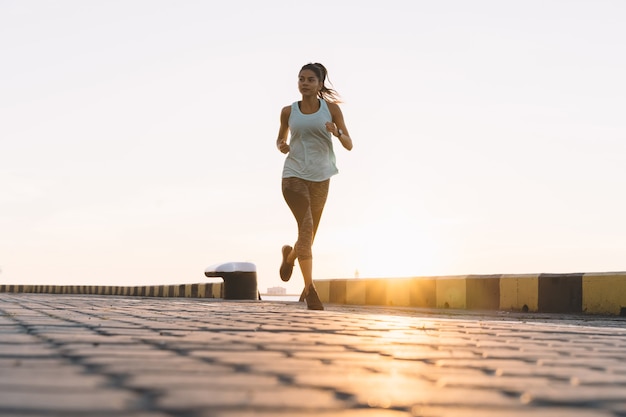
[[77, 355]]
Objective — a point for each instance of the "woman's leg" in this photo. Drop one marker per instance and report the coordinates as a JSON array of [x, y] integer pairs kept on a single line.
[[297, 195], [306, 200], [318, 192]]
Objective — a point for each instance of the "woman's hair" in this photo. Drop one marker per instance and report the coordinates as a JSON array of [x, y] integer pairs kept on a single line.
[[325, 93]]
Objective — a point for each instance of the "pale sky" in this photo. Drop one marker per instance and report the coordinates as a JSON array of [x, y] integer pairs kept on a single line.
[[137, 138]]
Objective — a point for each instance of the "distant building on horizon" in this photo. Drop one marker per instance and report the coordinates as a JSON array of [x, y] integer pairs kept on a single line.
[[277, 290]]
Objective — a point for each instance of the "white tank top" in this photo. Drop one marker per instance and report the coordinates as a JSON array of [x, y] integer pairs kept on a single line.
[[311, 156]]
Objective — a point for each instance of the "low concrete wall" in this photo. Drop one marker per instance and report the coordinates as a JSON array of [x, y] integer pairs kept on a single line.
[[203, 290], [593, 293]]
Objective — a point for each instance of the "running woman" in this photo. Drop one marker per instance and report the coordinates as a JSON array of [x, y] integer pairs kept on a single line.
[[310, 162]]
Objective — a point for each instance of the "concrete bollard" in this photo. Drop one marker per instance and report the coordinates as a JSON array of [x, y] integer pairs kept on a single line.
[[240, 281]]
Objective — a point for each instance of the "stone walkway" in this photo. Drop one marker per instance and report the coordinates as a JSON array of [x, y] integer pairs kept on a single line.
[[72, 355]]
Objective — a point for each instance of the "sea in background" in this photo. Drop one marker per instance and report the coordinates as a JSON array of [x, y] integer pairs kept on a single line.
[[275, 297]]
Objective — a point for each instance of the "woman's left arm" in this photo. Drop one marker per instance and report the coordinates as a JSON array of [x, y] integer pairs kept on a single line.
[[338, 126]]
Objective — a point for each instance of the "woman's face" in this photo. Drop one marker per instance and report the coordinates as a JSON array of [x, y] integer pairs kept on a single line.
[[308, 83]]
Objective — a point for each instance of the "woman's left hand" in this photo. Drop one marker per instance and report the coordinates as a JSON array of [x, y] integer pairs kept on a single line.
[[332, 128]]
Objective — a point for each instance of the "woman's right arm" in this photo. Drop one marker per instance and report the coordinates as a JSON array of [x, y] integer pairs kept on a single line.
[[283, 131]]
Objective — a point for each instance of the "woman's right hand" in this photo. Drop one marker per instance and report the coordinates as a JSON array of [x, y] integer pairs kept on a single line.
[[283, 147]]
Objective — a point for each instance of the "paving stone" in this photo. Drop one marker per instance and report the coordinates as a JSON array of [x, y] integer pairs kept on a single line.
[[291, 366], [119, 364], [438, 396], [428, 411], [26, 350], [203, 381], [493, 382], [59, 378], [238, 357], [261, 397], [37, 363], [574, 394], [374, 412], [155, 357], [102, 400]]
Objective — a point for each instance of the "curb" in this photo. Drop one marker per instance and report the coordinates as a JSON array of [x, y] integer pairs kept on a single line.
[[204, 290], [580, 293]]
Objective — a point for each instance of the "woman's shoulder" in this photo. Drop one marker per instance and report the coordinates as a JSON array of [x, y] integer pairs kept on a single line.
[[333, 107], [285, 113], [286, 108]]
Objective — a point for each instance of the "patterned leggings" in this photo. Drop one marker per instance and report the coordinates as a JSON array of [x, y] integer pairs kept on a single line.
[[306, 199]]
